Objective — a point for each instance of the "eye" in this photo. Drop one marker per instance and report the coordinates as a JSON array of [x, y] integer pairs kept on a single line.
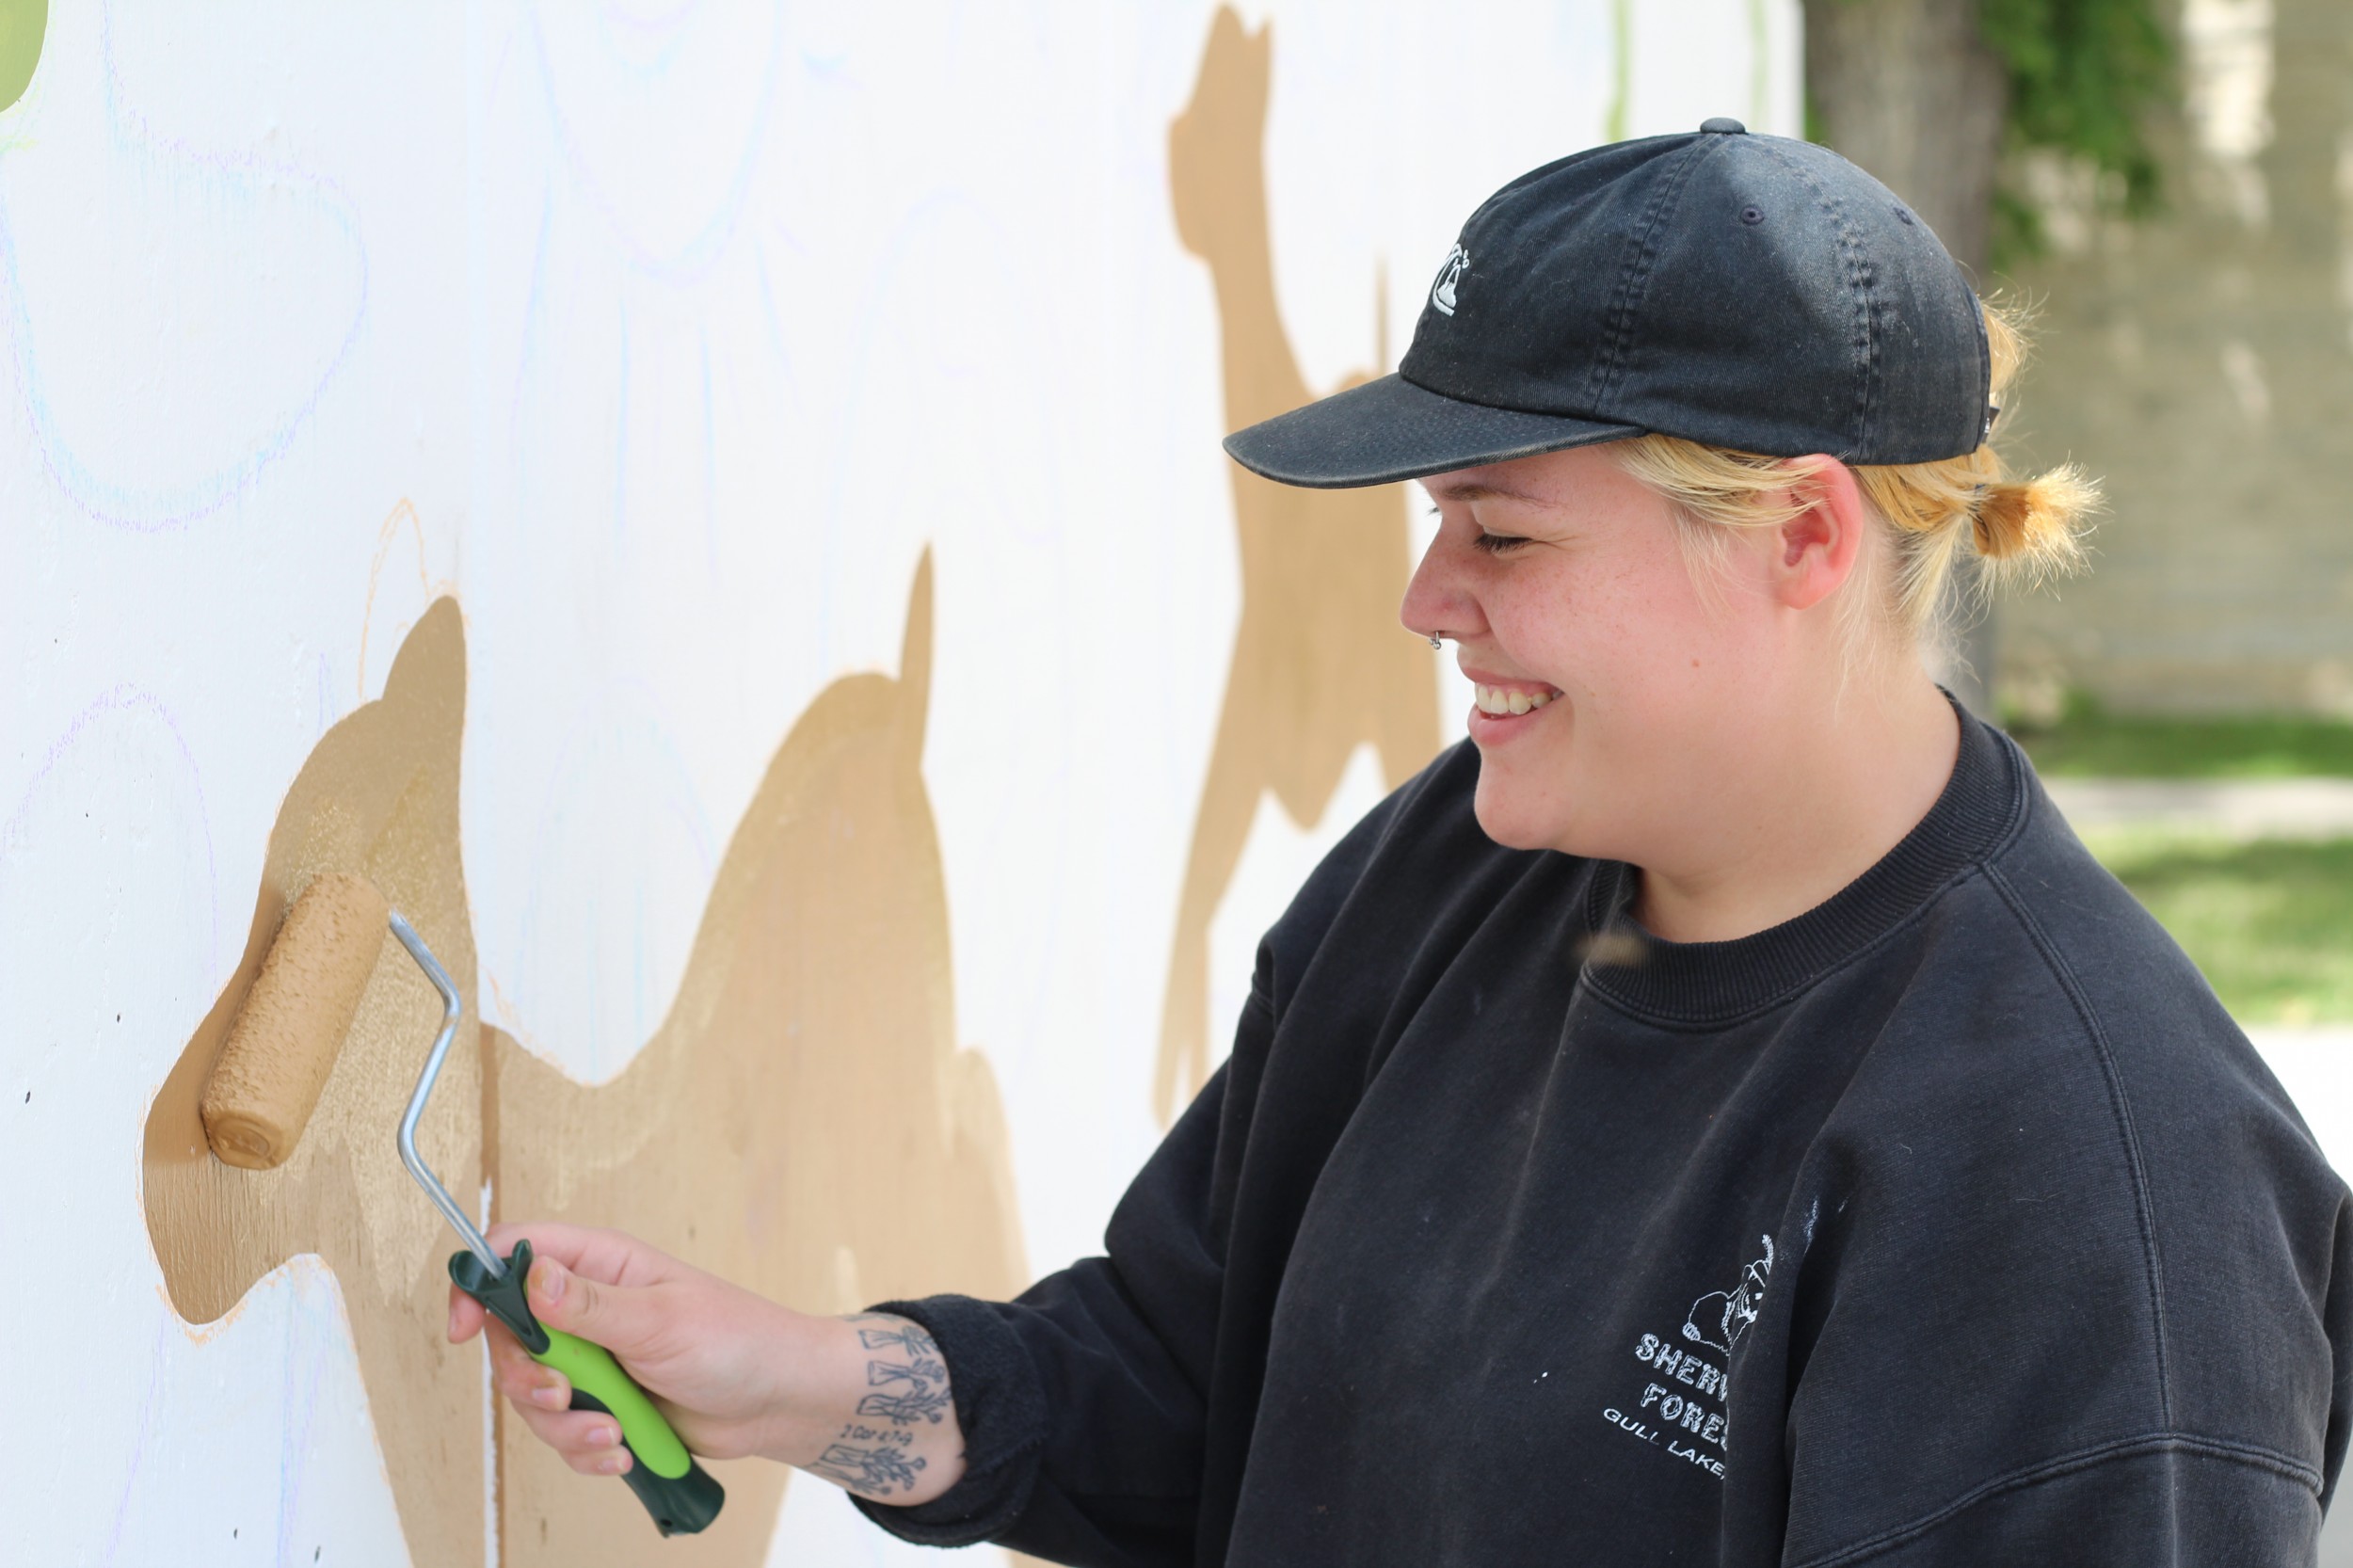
[[1498, 544]]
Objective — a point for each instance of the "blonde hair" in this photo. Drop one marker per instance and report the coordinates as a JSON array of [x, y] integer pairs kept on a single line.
[[2017, 528]]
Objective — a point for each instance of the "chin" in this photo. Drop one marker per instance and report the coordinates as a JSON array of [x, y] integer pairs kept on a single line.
[[1511, 820], [1517, 816]]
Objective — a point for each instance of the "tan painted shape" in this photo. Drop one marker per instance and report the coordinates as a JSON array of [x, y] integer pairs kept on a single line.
[[378, 798], [1321, 665], [803, 1122]]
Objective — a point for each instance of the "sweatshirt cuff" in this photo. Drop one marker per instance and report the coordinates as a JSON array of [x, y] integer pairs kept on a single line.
[[1003, 1412]]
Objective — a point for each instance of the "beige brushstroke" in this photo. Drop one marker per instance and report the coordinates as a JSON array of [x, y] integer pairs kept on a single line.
[[1321, 665], [377, 797], [803, 1122]]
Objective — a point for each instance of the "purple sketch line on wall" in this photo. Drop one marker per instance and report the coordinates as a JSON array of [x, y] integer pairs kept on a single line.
[[73, 367]]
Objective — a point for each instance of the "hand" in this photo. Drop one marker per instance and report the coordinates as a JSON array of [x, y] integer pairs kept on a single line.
[[716, 1358]]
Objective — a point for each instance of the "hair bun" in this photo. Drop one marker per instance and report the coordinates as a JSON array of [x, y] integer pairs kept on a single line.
[[2033, 522]]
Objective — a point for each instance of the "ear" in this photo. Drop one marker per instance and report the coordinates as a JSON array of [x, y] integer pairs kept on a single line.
[[1816, 551]]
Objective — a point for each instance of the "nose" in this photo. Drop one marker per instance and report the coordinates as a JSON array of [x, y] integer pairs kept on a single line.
[[1439, 600]]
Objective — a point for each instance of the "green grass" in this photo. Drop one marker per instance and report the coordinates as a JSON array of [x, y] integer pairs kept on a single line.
[[2089, 742], [2270, 922]]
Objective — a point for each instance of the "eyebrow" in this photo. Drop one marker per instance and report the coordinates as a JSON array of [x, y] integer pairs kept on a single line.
[[1470, 490]]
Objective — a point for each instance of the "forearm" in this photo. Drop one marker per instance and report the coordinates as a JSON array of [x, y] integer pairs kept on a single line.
[[871, 1410]]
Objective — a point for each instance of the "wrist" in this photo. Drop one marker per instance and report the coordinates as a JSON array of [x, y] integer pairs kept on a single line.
[[814, 1360], [867, 1407]]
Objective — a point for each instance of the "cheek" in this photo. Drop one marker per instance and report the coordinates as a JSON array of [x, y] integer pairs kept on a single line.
[[1633, 637]]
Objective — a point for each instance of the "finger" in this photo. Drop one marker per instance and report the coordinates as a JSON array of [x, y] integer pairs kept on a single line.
[[627, 1320], [528, 1384], [465, 1316], [615, 1462], [609, 1255], [512, 1370], [587, 1440]]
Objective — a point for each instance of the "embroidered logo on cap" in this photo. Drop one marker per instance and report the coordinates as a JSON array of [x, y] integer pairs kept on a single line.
[[1442, 292]]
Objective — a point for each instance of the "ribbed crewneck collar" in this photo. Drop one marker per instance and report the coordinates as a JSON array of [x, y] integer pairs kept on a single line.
[[1721, 983]]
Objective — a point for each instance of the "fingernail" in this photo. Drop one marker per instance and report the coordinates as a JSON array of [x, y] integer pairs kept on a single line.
[[551, 1396], [613, 1465], [547, 1281]]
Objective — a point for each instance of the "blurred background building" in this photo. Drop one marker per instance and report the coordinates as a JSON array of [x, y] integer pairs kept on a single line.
[[2200, 359]]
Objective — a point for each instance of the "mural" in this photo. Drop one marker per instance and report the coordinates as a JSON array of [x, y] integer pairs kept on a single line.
[[664, 341], [1321, 665], [802, 1123], [378, 797], [134, 419]]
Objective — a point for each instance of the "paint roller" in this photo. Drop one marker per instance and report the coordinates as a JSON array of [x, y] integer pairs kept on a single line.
[[268, 1076], [268, 1080]]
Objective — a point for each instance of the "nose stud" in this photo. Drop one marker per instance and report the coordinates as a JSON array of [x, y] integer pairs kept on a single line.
[[1435, 642]]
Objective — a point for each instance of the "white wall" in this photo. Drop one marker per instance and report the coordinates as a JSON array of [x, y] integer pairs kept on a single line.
[[666, 338]]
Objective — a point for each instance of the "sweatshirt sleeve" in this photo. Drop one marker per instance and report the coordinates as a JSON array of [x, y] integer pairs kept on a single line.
[[2163, 1500], [1081, 1401]]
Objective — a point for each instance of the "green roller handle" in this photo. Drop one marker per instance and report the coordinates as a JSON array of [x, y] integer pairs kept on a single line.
[[679, 1493], [595, 1373]]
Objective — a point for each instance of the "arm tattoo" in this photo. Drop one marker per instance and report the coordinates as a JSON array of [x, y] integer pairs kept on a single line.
[[876, 1471], [911, 1375], [907, 1337], [906, 1408], [909, 1378]]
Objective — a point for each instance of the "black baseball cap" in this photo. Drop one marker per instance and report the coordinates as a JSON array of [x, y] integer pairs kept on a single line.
[[1740, 291]]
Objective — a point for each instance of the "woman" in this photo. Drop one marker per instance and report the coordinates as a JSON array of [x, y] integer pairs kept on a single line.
[[1720, 1113]]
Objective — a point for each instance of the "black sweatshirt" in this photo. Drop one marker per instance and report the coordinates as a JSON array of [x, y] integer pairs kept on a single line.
[[1950, 1222]]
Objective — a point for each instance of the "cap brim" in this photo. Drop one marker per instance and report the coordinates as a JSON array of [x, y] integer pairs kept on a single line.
[[1391, 429]]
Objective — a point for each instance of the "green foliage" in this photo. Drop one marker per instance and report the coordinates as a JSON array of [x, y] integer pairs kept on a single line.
[[2087, 741], [2269, 923], [1621, 69], [2083, 76]]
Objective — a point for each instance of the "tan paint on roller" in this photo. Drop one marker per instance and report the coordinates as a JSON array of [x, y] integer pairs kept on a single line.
[[1321, 665], [376, 799], [802, 1122], [291, 1027]]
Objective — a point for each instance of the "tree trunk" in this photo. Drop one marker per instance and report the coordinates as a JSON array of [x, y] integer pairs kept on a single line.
[[1909, 89]]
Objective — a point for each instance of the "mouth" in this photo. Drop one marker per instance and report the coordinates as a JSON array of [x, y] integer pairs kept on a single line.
[[1501, 702], [1501, 706]]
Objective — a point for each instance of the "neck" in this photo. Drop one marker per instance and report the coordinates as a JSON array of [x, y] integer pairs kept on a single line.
[[1845, 786]]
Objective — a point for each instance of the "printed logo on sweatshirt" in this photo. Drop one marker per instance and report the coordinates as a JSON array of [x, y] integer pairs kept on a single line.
[[1680, 1407], [1720, 1318]]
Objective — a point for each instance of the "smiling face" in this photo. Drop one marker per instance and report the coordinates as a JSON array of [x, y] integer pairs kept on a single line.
[[1620, 703]]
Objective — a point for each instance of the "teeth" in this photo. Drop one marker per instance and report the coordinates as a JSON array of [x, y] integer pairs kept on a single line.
[[1498, 701]]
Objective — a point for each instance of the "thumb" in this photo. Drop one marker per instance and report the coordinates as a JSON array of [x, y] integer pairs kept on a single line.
[[623, 1319]]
